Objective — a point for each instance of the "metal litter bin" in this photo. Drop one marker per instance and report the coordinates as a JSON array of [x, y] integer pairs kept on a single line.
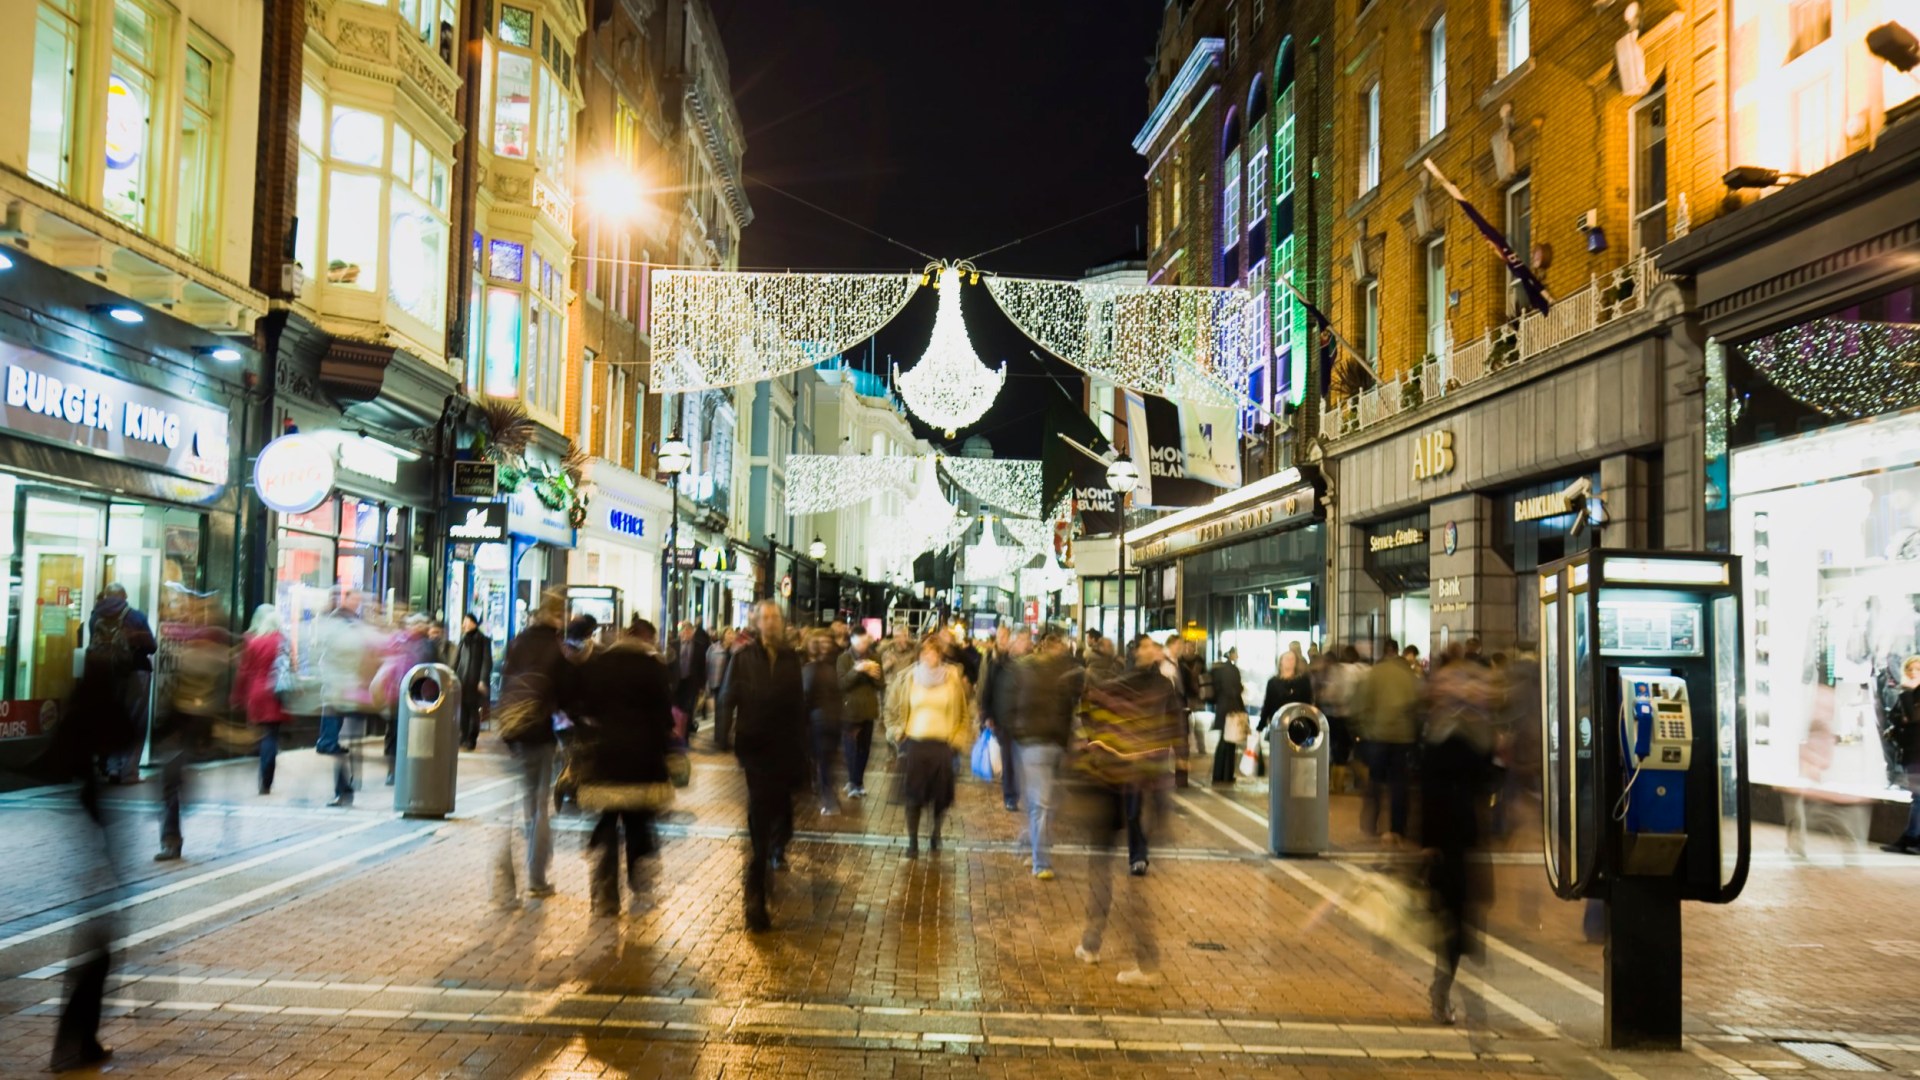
[[1297, 771], [427, 742]]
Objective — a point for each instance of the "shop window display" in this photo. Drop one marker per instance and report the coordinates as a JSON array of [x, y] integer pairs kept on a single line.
[[345, 542]]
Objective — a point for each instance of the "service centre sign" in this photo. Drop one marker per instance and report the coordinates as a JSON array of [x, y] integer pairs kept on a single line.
[[74, 406]]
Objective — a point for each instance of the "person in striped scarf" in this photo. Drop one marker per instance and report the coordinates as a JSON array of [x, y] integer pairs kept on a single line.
[[1130, 728]]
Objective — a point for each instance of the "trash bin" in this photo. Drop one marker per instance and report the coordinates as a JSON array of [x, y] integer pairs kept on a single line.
[[427, 742], [1297, 765]]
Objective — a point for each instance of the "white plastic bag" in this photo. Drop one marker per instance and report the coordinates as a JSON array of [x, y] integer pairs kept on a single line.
[[994, 756], [1250, 761]]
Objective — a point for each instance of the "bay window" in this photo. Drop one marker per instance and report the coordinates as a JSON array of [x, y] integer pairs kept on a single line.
[[197, 200], [56, 77], [133, 81], [513, 107]]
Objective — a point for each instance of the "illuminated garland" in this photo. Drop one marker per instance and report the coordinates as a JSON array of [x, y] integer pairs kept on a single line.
[[1181, 342], [1047, 579], [950, 388], [822, 483], [1011, 486], [1844, 369], [718, 328], [1035, 536]]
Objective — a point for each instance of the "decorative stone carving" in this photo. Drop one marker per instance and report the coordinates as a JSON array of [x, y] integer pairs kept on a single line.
[[510, 187], [420, 71], [362, 40]]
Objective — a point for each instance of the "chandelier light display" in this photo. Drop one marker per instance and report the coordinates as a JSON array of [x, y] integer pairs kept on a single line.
[[823, 483], [987, 562], [1843, 368], [723, 328], [950, 388], [1186, 343], [1048, 578]]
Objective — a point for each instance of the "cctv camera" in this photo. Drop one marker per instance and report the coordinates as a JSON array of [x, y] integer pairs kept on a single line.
[[1579, 489]]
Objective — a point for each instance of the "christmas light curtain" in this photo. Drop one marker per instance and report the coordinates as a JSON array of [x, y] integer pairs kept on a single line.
[[1187, 343], [723, 328], [1009, 486], [823, 483]]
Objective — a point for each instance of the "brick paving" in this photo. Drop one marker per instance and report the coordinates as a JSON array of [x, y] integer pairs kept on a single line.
[[388, 958]]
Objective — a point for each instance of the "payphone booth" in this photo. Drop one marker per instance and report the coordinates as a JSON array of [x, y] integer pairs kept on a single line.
[[1643, 760]]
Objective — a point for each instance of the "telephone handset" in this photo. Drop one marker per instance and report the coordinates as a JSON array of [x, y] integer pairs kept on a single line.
[[1658, 722]]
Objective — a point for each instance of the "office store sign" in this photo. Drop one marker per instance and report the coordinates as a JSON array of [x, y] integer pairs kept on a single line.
[[69, 405]]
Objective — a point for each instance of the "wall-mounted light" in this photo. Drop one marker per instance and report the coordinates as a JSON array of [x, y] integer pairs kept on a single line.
[[5, 263], [120, 313], [1895, 44], [226, 354], [1756, 176]]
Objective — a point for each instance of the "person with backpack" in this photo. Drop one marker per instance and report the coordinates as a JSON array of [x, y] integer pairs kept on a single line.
[[118, 625], [201, 652]]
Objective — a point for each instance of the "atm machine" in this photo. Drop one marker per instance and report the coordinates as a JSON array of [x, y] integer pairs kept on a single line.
[[1644, 763]]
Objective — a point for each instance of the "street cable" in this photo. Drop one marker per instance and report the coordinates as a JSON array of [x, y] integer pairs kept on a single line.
[[844, 218], [1058, 225]]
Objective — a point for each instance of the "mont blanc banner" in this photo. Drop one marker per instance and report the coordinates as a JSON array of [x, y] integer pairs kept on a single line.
[[1192, 451]]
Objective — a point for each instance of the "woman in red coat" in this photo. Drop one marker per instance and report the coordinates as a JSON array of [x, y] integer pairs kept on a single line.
[[265, 673]]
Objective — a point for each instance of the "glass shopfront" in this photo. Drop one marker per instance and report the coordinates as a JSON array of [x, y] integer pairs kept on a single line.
[[1399, 559], [373, 547], [1261, 597], [1104, 608], [1824, 503]]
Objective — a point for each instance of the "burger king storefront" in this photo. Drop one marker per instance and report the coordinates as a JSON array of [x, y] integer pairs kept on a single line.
[[117, 458], [1246, 571]]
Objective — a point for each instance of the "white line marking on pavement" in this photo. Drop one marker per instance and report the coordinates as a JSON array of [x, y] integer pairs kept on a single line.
[[251, 895], [197, 880], [1492, 996]]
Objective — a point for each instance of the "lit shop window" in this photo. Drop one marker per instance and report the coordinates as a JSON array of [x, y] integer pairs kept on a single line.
[[503, 343]]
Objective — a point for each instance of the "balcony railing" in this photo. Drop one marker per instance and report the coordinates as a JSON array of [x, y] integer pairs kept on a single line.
[[1621, 292]]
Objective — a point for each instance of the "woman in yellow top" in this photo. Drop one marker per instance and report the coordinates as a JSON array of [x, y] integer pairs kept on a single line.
[[927, 717]]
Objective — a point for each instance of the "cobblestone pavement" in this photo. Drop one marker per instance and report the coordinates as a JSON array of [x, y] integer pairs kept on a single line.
[[297, 940]]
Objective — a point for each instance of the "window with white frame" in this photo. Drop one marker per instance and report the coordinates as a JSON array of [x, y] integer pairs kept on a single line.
[[135, 86], [1283, 302], [1436, 272], [1520, 239], [1517, 38], [1257, 165], [57, 47], [1437, 77], [583, 422], [1230, 202], [1649, 156], [309, 186], [1370, 139], [1233, 32], [1283, 145], [417, 241]]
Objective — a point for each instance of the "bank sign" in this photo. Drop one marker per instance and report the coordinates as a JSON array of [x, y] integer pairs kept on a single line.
[[63, 403]]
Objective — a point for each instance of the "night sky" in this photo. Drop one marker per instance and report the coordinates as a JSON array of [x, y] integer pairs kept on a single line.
[[952, 128]]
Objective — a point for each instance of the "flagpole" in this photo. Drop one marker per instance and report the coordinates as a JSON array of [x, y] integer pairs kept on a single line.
[[1337, 339]]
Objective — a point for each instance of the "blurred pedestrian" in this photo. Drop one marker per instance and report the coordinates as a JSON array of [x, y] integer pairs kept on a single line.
[[820, 682], [765, 693], [927, 718], [690, 666], [344, 644], [716, 668], [116, 620], [621, 700], [410, 646], [860, 686], [897, 653], [1904, 735], [723, 712], [1456, 774], [473, 665], [1042, 726], [200, 653], [533, 681], [1229, 716], [1121, 772], [1000, 695], [263, 678], [1385, 706], [1291, 685], [1102, 662]]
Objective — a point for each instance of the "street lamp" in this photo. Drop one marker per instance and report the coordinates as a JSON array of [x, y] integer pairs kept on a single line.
[[816, 551], [1122, 477], [674, 460]]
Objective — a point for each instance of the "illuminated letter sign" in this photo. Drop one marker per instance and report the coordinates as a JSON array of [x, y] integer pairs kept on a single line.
[[294, 473], [1432, 455]]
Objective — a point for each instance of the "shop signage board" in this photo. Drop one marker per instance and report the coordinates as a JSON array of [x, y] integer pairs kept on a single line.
[[484, 524], [1398, 538], [688, 558], [626, 522], [1433, 454], [1213, 531], [63, 403], [1541, 506], [294, 473], [475, 480], [528, 517], [27, 718]]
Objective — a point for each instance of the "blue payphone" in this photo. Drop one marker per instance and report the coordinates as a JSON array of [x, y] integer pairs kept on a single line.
[[1644, 784]]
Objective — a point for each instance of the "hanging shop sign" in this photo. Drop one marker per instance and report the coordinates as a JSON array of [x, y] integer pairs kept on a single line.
[[626, 522], [69, 405], [1398, 538], [1433, 454], [294, 473], [688, 557], [486, 524], [475, 480], [713, 559]]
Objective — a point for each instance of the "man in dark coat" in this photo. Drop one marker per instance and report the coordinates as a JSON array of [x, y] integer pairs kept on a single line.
[[690, 672], [999, 701], [764, 691], [473, 663], [532, 683], [860, 675], [620, 697]]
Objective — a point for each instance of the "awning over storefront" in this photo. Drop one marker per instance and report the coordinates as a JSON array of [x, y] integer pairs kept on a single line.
[[1266, 505]]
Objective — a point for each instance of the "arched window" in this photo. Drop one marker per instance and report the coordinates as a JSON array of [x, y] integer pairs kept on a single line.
[[1230, 197], [1288, 315], [1257, 163]]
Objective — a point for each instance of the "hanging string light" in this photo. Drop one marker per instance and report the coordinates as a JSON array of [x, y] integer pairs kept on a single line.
[[1181, 342], [823, 483], [1844, 368], [1034, 536], [1047, 578], [950, 388], [722, 328], [987, 562], [1012, 486]]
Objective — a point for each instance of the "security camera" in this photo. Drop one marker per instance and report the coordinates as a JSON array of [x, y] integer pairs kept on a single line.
[[1579, 489]]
